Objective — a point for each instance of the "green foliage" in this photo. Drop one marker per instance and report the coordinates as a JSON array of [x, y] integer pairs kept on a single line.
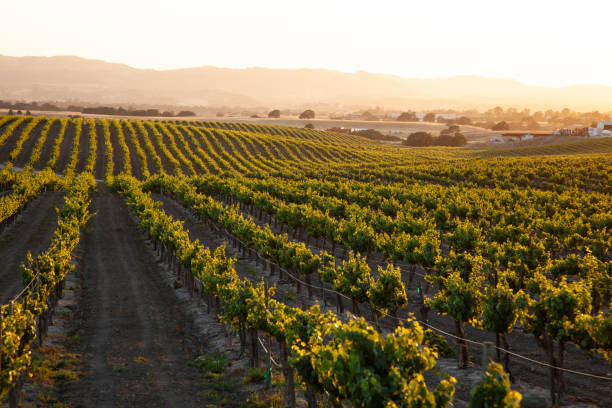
[[439, 344], [327, 354], [388, 292], [18, 320], [494, 391], [361, 366], [215, 363], [502, 307], [254, 375], [459, 299], [466, 237], [354, 278], [557, 305]]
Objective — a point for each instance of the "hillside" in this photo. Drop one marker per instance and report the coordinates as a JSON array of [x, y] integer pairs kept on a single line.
[[207, 263], [65, 78]]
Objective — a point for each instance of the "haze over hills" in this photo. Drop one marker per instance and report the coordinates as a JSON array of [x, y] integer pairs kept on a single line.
[[64, 78]]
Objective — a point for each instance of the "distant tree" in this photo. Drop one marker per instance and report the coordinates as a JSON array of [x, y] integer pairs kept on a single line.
[[307, 114], [186, 113], [370, 134], [309, 126], [449, 139], [376, 135], [450, 130], [154, 112], [529, 123], [274, 114], [254, 116], [19, 112], [407, 117], [538, 116], [459, 140], [430, 117], [419, 139], [28, 113], [485, 125], [368, 116], [220, 114], [445, 139], [464, 120], [167, 114], [501, 126], [10, 112]]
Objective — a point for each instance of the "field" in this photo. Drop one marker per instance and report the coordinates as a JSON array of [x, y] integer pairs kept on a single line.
[[400, 129], [240, 264]]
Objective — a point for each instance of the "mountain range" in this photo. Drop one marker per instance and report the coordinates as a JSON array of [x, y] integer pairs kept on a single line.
[[70, 78]]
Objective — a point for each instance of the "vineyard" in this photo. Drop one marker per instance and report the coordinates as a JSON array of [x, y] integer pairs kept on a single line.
[[348, 272]]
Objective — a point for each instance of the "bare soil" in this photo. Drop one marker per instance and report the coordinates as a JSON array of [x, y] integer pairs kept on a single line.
[[32, 232], [134, 162], [118, 159], [47, 148], [164, 160], [83, 147], [10, 142], [66, 147], [26, 149], [135, 346], [100, 153]]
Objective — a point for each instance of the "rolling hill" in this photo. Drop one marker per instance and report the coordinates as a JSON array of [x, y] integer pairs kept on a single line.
[[63, 78]]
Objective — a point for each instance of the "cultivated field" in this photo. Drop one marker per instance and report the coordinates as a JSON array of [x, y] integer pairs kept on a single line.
[[241, 264], [400, 129]]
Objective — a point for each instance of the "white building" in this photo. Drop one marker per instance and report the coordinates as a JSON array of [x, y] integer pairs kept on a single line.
[[511, 137], [446, 116], [605, 125], [603, 129]]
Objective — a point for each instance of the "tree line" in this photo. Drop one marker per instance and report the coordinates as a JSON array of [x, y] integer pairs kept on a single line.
[[18, 107], [451, 136]]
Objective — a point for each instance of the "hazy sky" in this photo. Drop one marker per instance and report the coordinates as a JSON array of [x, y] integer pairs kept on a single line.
[[536, 41]]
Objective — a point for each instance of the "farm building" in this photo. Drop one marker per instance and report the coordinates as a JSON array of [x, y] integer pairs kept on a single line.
[[606, 125], [516, 136], [603, 129], [577, 131]]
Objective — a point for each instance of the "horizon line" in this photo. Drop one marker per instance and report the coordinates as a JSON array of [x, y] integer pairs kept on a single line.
[[244, 68]]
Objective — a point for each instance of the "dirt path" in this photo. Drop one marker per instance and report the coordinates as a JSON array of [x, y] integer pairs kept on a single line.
[[66, 147], [135, 349], [83, 147], [136, 168], [11, 141], [26, 150], [47, 148], [31, 233], [100, 164]]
